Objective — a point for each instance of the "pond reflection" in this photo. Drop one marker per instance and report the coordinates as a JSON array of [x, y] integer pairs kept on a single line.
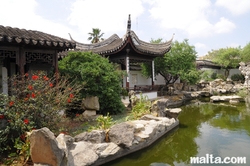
[[205, 128]]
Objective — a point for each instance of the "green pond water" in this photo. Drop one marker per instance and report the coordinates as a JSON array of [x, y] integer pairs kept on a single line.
[[205, 128]]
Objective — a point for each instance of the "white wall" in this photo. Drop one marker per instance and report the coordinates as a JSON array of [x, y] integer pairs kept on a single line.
[[136, 78], [221, 71]]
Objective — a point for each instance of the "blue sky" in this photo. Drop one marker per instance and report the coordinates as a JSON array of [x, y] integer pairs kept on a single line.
[[208, 24]]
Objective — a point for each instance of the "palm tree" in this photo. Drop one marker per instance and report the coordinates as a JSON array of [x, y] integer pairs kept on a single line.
[[95, 35]]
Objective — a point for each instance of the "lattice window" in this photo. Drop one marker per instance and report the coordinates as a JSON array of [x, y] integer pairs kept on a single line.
[[34, 56], [7, 53]]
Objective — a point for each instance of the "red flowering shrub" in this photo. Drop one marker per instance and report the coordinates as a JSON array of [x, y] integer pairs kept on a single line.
[[34, 102]]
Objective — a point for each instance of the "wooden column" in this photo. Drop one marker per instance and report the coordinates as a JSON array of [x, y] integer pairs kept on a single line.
[[55, 65], [21, 60], [55, 62]]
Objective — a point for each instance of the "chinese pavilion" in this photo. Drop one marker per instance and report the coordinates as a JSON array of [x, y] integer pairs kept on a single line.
[[128, 51]]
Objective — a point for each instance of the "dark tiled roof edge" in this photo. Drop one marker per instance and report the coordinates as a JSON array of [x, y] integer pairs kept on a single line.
[[32, 37]]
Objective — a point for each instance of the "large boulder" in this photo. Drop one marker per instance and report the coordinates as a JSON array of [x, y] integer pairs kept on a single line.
[[225, 98], [82, 153], [158, 107], [245, 70], [95, 136], [122, 134], [106, 149], [173, 113], [44, 148], [91, 103]]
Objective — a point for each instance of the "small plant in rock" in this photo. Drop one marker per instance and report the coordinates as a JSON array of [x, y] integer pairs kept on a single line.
[[141, 108], [104, 122], [243, 92]]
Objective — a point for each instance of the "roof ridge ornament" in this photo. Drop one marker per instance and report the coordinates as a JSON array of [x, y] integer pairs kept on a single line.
[[71, 37], [129, 23]]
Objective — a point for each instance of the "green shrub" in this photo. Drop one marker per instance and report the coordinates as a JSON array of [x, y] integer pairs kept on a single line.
[[214, 76], [208, 75], [99, 76], [237, 77], [221, 76]]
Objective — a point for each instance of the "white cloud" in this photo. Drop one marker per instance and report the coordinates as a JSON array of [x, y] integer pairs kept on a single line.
[[201, 48], [236, 7], [192, 17], [23, 15], [110, 15], [189, 16], [224, 26], [234, 45]]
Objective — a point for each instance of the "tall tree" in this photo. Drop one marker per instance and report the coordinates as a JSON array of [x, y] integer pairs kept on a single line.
[[245, 53], [227, 58], [179, 62], [95, 35]]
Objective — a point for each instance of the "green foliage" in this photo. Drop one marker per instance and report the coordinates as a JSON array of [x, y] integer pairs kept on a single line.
[[95, 35], [142, 107], [243, 92], [221, 76], [35, 102], [104, 122], [237, 77], [227, 58], [179, 62], [208, 75], [214, 75], [245, 53], [156, 41], [99, 77], [124, 92]]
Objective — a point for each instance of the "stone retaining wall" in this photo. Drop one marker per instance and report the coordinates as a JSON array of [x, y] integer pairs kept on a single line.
[[91, 148]]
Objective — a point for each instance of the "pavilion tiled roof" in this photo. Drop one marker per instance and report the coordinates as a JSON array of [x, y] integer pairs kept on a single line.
[[33, 38], [114, 43], [207, 63]]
